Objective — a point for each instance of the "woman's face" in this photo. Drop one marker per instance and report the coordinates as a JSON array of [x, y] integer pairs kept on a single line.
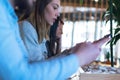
[[52, 11], [59, 30]]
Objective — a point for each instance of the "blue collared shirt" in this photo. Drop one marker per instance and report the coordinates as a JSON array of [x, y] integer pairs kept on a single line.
[[14, 64]]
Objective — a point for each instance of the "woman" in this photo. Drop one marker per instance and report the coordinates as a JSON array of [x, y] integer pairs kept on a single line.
[[54, 42], [35, 30]]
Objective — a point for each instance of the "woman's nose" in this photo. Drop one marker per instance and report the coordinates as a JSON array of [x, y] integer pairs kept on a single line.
[[57, 13]]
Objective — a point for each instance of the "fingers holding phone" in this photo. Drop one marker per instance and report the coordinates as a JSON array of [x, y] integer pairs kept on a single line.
[[101, 41], [88, 51]]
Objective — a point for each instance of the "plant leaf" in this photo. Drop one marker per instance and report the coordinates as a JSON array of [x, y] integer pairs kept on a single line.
[[117, 30], [117, 37]]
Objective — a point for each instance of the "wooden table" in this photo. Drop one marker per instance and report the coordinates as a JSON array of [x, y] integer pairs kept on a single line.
[[85, 76]]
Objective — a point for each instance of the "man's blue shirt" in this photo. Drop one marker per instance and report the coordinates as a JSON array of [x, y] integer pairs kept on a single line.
[[14, 64]]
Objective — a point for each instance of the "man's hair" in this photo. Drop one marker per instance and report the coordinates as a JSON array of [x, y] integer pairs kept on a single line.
[[22, 8]]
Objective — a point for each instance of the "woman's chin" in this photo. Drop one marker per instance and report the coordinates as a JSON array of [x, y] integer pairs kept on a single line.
[[51, 24]]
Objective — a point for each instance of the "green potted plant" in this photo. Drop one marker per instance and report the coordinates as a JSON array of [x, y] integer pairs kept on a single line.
[[113, 13], [116, 18], [107, 56]]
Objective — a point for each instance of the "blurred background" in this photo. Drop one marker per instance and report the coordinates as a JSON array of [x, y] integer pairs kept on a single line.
[[84, 21]]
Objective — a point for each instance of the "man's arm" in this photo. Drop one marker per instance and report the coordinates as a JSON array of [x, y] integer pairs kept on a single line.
[[15, 66]]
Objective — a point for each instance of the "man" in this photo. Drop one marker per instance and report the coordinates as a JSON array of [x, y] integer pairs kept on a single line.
[[14, 64]]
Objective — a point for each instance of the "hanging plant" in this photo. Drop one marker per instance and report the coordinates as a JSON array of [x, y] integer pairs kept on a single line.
[[116, 18]]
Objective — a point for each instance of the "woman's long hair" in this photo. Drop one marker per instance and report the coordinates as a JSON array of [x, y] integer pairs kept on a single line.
[[37, 19], [42, 28], [54, 44]]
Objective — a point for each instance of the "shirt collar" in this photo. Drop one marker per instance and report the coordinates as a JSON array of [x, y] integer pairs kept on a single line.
[[11, 10]]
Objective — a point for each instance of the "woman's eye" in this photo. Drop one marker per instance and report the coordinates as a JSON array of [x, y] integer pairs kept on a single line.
[[55, 7]]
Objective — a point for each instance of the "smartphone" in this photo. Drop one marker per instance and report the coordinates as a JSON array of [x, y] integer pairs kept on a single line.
[[108, 35], [103, 40]]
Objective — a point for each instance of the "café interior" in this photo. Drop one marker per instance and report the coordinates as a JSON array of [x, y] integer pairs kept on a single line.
[[87, 20]]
